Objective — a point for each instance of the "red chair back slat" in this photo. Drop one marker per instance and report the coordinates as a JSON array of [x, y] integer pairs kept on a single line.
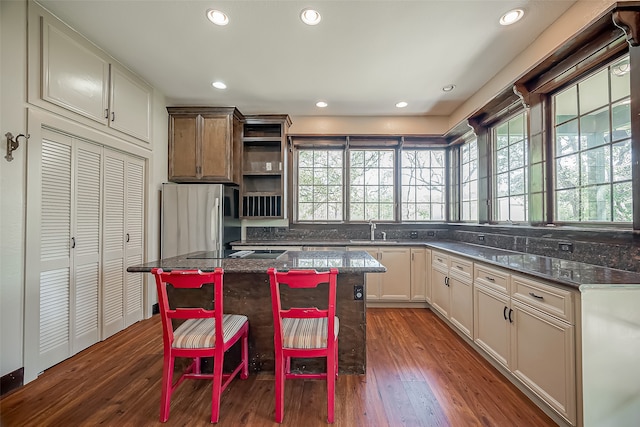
[[189, 279]]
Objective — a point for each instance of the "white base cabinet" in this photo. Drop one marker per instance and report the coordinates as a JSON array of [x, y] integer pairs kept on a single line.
[[452, 290], [528, 328]]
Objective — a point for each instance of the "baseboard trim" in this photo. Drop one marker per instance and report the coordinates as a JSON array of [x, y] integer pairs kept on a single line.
[[11, 381]]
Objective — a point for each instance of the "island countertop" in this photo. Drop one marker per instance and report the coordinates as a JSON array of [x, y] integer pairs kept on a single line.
[[344, 261]]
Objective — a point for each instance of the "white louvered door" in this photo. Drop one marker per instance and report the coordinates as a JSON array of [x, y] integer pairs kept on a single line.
[[134, 214], [54, 342], [69, 247], [114, 244], [123, 241], [86, 245]]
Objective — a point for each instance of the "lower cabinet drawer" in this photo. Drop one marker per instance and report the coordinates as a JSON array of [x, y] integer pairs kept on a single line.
[[495, 279], [550, 299]]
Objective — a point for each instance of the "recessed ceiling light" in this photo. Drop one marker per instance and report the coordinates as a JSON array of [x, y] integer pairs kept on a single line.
[[217, 17], [310, 16], [219, 85], [401, 104], [448, 88], [321, 104], [511, 17]]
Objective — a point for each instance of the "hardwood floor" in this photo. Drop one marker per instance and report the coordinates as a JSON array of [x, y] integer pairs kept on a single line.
[[419, 373]]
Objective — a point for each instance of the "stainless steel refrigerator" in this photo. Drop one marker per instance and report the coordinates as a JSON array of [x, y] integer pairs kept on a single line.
[[198, 217]]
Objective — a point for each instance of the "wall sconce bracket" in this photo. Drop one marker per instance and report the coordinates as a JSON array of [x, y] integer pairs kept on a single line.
[[13, 144]]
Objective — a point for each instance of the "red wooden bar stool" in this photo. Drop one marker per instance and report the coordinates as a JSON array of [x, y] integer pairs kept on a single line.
[[304, 332], [204, 333]]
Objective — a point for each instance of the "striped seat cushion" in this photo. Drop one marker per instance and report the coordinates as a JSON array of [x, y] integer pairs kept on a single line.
[[306, 333], [201, 333]]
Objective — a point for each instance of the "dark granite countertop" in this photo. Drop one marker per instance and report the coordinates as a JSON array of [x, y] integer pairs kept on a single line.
[[328, 243], [345, 262], [568, 273]]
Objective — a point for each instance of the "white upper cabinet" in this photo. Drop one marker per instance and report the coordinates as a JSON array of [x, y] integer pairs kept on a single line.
[[130, 104], [68, 71], [73, 76]]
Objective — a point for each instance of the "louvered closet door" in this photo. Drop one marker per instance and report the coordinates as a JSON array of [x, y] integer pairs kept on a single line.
[[114, 244], [134, 214], [69, 247], [55, 251], [86, 245]]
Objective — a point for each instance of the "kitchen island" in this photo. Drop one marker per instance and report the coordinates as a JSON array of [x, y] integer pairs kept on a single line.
[[246, 291]]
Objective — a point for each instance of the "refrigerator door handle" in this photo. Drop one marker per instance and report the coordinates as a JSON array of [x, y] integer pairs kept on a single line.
[[215, 214]]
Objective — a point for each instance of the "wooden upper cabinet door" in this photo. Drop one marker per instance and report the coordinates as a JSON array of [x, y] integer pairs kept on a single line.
[[217, 148], [205, 144], [183, 157]]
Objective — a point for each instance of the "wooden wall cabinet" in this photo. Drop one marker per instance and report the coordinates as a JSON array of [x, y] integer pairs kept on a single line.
[[264, 167], [205, 144]]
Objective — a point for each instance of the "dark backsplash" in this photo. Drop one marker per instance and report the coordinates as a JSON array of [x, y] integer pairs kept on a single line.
[[609, 248]]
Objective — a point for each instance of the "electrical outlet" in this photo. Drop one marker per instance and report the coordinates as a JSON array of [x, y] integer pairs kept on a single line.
[[358, 292], [431, 233], [481, 237], [565, 247], [413, 235]]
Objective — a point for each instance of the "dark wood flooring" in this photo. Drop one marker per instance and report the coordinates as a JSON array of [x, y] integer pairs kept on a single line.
[[420, 373]]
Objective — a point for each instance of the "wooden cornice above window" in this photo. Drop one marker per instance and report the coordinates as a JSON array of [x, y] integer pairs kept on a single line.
[[368, 141], [601, 42]]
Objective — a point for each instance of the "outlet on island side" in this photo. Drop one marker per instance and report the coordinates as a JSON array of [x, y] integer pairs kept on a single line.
[[358, 292], [481, 237]]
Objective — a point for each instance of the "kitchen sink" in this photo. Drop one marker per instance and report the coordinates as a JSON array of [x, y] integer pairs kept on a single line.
[[373, 242]]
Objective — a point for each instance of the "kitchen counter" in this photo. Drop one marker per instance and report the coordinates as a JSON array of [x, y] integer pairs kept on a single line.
[[345, 262], [247, 291], [564, 272]]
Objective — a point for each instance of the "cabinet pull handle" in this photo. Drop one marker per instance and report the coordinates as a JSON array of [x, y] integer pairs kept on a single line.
[[446, 281], [504, 312], [439, 259], [535, 296], [510, 312], [106, 113], [491, 279], [113, 116], [127, 237], [412, 257], [73, 242], [459, 267]]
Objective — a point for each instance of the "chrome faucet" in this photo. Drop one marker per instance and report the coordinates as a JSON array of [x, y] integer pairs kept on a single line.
[[373, 227], [384, 235]]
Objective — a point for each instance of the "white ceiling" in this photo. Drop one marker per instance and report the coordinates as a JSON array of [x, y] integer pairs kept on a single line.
[[362, 58]]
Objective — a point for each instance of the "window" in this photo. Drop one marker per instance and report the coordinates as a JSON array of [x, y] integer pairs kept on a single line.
[[371, 185], [510, 147], [320, 184], [423, 185], [592, 157], [469, 181]]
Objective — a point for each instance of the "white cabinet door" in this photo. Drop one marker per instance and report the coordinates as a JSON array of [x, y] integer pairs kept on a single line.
[[373, 279], [130, 104], [74, 76], [134, 243], [543, 357], [491, 323], [419, 274], [395, 284], [461, 307], [440, 293]]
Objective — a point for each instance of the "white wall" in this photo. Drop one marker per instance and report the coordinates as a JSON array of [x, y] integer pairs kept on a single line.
[[13, 118], [13, 72]]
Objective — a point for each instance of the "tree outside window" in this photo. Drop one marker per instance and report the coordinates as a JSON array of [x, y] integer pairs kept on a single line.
[[423, 185]]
